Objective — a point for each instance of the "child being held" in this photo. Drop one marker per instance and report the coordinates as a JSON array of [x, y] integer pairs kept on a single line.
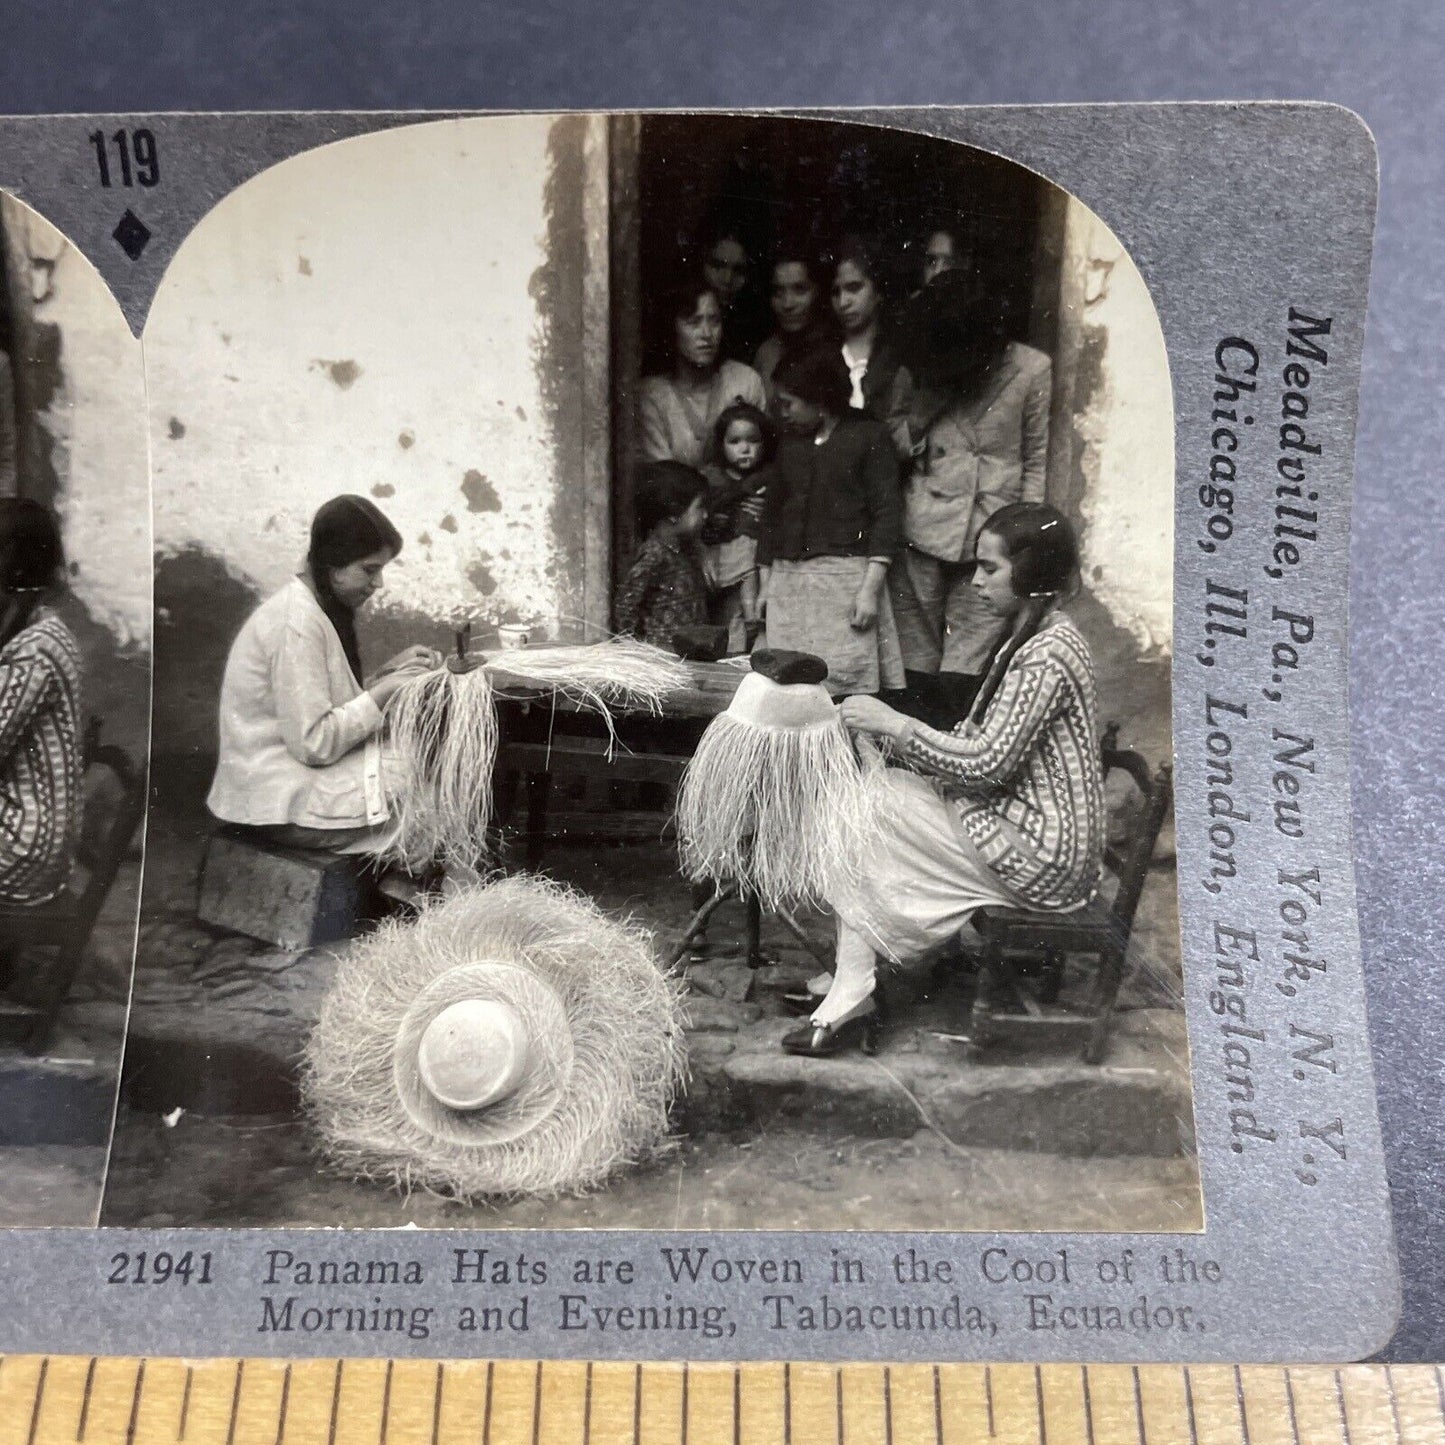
[[744, 440], [664, 589]]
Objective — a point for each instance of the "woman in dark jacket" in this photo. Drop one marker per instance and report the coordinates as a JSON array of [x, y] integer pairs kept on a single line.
[[830, 529]]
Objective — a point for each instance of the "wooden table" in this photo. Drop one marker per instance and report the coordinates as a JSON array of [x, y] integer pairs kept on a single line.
[[709, 691]]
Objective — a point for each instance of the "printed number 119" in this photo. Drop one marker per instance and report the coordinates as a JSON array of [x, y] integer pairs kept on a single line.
[[136, 159]]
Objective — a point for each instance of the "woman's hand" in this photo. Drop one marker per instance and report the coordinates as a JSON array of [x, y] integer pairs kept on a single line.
[[866, 715], [865, 602], [865, 609], [417, 658]]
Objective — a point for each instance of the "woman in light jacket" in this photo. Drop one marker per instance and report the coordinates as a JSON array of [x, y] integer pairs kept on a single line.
[[301, 758], [977, 432]]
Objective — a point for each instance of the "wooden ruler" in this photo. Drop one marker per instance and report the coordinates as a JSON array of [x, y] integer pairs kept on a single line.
[[47, 1400]]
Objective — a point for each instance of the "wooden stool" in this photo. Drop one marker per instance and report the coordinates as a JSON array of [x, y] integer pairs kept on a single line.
[[293, 898]]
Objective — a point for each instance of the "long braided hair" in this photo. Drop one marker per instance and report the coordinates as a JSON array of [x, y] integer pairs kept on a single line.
[[1044, 553]]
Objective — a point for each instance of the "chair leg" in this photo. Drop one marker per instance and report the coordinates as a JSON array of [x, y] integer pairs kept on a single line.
[[56, 990], [1052, 982], [539, 792], [986, 987], [1106, 998], [698, 924], [755, 930]]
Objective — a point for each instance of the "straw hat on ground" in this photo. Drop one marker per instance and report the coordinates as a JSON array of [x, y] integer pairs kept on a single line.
[[511, 1040]]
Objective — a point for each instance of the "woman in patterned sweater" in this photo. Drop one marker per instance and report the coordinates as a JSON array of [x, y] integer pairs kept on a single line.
[[1007, 809], [40, 712]]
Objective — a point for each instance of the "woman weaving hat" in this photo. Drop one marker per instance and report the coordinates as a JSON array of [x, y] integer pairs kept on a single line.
[[301, 759], [1006, 809]]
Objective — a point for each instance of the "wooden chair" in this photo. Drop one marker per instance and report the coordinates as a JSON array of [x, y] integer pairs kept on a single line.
[[1100, 930], [67, 921]]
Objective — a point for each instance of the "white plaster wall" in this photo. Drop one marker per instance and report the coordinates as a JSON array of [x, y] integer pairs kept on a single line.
[[96, 421], [1126, 427], [358, 319]]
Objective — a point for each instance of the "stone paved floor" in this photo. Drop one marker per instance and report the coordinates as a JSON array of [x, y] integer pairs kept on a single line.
[[829, 1144]]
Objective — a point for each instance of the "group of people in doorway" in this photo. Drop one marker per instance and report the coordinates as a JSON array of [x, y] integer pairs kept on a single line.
[[833, 491]]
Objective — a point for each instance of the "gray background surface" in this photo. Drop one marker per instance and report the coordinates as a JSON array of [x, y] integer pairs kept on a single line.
[[1384, 60]]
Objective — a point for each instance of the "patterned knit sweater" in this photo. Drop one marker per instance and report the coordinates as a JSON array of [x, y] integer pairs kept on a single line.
[[1027, 783], [40, 764]]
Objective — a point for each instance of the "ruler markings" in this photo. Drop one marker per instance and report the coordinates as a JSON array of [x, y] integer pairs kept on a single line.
[[1344, 1412], [39, 1398], [487, 1408], [185, 1403], [85, 1399], [235, 1401], [125, 1402], [140, 1379], [284, 1405], [385, 1403], [1394, 1404], [335, 1403]]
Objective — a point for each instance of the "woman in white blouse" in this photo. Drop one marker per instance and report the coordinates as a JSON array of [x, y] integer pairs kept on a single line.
[[301, 757]]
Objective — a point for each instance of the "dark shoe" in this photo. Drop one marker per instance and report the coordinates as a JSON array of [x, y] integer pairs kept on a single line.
[[819, 1041]]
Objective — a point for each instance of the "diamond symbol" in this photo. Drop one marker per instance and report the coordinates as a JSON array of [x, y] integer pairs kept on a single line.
[[132, 235]]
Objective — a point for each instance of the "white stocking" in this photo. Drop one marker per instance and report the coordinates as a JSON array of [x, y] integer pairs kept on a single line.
[[853, 977]]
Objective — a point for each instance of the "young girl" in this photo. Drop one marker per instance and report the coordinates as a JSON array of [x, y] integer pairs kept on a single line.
[[831, 526], [744, 440], [664, 589]]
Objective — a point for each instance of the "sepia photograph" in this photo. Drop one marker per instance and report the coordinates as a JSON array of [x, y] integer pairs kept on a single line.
[[661, 712], [75, 625]]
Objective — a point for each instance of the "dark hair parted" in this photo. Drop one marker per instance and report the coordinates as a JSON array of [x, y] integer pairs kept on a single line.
[[864, 253], [1043, 555], [665, 490], [343, 531], [818, 377], [1041, 546], [30, 552], [745, 411], [681, 299]]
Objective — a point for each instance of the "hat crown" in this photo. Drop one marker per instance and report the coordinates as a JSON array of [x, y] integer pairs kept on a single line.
[[795, 706]]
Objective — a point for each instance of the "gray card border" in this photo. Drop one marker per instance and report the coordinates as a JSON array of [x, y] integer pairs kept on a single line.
[[1234, 213]]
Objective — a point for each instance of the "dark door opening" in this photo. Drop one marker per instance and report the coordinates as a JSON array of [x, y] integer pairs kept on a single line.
[[678, 180]]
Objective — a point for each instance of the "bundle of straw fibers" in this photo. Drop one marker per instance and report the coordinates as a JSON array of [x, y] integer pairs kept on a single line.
[[444, 724], [775, 798], [512, 1040]]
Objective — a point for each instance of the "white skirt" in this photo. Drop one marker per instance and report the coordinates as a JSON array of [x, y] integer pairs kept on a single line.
[[925, 877]]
